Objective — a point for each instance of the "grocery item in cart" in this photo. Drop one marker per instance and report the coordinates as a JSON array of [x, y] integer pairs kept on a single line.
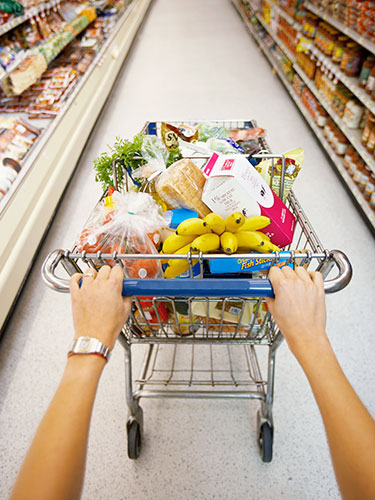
[[293, 164], [170, 134], [234, 185], [181, 186], [123, 224]]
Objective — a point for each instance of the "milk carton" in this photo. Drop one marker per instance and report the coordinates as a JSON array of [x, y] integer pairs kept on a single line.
[[233, 185]]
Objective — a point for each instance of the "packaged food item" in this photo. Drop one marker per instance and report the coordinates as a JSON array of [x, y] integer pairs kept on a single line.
[[170, 134], [353, 114], [181, 186], [122, 224], [233, 185], [293, 163], [208, 130], [370, 85], [246, 134], [223, 146], [239, 265], [227, 313], [182, 319], [366, 70]]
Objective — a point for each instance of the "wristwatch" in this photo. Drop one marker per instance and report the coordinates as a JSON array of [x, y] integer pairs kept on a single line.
[[89, 345]]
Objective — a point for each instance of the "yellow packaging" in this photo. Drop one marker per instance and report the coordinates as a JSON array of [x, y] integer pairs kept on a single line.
[[293, 164]]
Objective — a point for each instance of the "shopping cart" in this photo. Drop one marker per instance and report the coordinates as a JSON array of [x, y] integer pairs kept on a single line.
[[204, 356]]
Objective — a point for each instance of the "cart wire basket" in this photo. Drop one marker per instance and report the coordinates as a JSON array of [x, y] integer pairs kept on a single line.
[[205, 356]]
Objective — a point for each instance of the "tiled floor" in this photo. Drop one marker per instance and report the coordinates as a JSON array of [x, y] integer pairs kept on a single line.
[[193, 59]]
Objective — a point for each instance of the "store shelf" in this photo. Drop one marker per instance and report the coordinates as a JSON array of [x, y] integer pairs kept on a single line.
[[28, 14], [350, 82], [367, 44], [50, 165], [336, 160], [65, 37], [353, 135], [274, 36], [296, 25]]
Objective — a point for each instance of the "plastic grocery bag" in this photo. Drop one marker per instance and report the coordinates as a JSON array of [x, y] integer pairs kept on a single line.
[[125, 224]]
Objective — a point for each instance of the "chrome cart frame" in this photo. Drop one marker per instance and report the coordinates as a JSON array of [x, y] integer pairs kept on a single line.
[[203, 357]]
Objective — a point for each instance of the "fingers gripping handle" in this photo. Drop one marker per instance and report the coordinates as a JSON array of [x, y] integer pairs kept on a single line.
[[193, 287]]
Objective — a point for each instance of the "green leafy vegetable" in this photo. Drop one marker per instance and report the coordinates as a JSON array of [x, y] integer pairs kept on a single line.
[[127, 151]]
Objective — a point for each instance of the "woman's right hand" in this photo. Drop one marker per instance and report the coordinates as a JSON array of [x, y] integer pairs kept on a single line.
[[299, 308]]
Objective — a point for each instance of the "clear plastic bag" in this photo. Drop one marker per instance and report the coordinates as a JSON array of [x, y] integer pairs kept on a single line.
[[125, 224], [181, 186]]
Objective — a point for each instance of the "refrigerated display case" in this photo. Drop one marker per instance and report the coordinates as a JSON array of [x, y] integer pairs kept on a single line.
[[29, 205]]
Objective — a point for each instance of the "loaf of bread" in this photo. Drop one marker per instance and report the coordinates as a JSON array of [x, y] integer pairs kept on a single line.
[[181, 186]]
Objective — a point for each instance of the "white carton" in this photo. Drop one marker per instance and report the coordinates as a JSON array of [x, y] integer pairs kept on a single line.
[[233, 185]]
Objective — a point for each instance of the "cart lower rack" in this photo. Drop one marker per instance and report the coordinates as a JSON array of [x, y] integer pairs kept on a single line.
[[204, 357]]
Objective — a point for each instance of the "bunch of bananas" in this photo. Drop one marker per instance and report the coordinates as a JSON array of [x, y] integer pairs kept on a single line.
[[213, 233]]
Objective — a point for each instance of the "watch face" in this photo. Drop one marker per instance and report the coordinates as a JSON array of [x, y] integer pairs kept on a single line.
[[84, 344]]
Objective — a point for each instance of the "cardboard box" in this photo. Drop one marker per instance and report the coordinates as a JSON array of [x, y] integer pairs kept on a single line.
[[233, 185]]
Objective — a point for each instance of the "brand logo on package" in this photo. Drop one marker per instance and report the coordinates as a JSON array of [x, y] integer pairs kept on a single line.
[[227, 165], [210, 165]]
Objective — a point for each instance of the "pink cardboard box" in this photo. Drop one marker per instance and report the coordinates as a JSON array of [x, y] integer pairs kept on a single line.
[[233, 185]]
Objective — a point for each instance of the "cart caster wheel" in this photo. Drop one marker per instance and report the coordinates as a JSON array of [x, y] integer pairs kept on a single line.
[[134, 439], [265, 442]]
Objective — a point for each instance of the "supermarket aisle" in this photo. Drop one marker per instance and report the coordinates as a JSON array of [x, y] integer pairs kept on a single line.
[[193, 59]]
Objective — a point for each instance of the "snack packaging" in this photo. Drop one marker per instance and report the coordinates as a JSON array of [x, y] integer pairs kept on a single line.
[[293, 164], [124, 224], [181, 186], [170, 134], [239, 265], [233, 185]]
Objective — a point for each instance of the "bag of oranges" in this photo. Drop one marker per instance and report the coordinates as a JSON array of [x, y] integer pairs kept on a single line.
[[125, 224]]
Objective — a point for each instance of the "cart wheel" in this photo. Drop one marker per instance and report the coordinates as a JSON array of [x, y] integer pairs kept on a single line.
[[265, 442], [134, 440]]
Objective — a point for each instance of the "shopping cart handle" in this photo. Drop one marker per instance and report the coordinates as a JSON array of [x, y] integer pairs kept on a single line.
[[197, 288], [194, 287]]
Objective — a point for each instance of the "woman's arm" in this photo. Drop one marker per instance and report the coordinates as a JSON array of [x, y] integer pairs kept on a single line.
[[299, 311], [55, 463]]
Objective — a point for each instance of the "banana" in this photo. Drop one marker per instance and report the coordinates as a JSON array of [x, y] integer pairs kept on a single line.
[[229, 242], [179, 266], [255, 223], [215, 222], [175, 241], [163, 261], [234, 221], [176, 267], [192, 227], [256, 241], [206, 243]]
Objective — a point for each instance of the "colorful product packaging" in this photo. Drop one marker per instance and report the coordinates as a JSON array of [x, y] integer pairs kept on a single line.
[[240, 265], [233, 185]]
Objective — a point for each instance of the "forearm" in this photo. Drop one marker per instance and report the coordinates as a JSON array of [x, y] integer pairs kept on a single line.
[[54, 466], [349, 427]]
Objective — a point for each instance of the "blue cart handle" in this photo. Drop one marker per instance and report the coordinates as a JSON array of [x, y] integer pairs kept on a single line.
[[195, 287]]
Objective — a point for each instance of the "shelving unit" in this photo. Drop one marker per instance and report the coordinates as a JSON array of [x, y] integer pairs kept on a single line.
[[28, 14], [27, 211], [350, 82], [341, 27], [64, 35], [353, 135]]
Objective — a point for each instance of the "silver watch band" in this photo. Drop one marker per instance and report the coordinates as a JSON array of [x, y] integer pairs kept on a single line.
[[89, 345]]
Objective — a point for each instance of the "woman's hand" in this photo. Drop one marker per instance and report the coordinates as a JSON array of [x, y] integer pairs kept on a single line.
[[299, 307], [99, 310]]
